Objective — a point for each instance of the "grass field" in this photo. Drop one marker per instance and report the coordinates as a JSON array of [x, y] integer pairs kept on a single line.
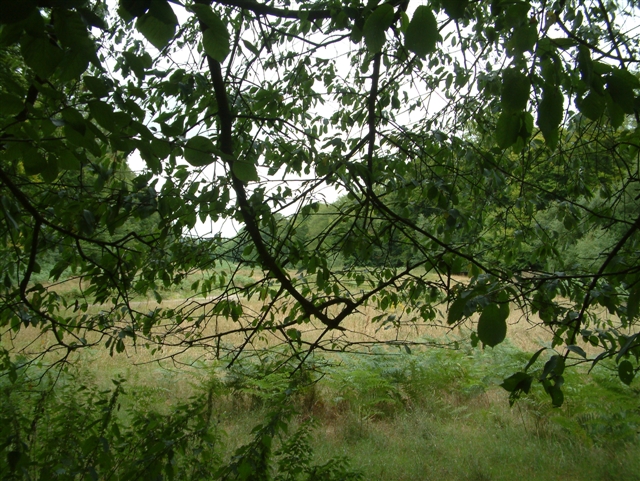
[[396, 414]]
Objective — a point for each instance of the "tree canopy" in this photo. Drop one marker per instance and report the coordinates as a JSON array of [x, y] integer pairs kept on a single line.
[[493, 140]]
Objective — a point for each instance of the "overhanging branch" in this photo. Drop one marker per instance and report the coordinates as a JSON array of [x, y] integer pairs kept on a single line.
[[248, 215], [262, 9]]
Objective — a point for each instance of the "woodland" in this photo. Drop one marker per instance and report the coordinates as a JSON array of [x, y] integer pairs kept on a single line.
[[229, 228]]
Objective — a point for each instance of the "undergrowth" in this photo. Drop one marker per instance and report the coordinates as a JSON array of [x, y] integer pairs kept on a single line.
[[437, 414]]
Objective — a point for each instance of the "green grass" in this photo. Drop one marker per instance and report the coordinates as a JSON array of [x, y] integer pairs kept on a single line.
[[474, 442], [450, 420], [435, 414]]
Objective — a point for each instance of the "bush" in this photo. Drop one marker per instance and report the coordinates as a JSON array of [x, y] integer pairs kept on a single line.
[[64, 428]]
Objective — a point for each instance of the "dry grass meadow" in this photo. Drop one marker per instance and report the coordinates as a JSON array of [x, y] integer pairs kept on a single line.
[[525, 332]]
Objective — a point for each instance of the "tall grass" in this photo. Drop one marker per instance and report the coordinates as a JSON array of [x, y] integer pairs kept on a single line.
[[443, 417], [415, 414], [432, 414]]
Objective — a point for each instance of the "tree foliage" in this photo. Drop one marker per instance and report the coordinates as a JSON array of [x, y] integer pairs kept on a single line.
[[485, 138]]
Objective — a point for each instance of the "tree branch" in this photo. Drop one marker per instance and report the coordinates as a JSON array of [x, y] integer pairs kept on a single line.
[[373, 96], [37, 215], [248, 214], [262, 9], [587, 298]]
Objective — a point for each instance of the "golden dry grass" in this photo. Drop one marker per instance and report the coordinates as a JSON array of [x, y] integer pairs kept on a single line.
[[359, 330], [190, 341]]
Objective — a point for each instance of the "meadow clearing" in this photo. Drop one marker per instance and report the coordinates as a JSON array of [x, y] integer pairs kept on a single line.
[[424, 406]]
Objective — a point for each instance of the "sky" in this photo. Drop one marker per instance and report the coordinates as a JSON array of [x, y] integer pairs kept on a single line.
[[230, 227]]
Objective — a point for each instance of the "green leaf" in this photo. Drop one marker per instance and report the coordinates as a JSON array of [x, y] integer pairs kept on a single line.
[[82, 139], [592, 106], [585, 64], [516, 12], [555, 391], [33, 161], [98, 87], [456, 310], [207, 16], [68, 161], [554, 367], [215, 41], [518, 381], [74, 64], [90, 18], [41, 54], [136, 63], [492, 325], [507, 129], [87, 222], [625, 348], [161, 10], [70, 29], [151, 159], [142, 129], [174, 129], [616, 113], [517, 384], [356, 34], [156, 31], [244, 170], [633, 302], [515, 90], [404, 22], [626, 372], [122, 119], [11, 34], [422, 33], [10, 104], [524, 39], [158, 25], [577, 350], [534, 358], [375, 27], [526, 125], [50, 171], [161, 148], [550, 112], [620, 87], [251, 47], [455, 8], [75, 119], [246, 252], [563, 43], [14, 11], [135, 8], [198, 151], [102, 112], [294, 334]]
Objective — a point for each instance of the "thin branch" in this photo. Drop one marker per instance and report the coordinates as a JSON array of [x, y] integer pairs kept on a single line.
[[587, 298], [371, 121]]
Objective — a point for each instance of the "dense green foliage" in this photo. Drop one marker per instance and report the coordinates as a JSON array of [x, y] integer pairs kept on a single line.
[[425, 415], [495, 139], [99, 441]]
